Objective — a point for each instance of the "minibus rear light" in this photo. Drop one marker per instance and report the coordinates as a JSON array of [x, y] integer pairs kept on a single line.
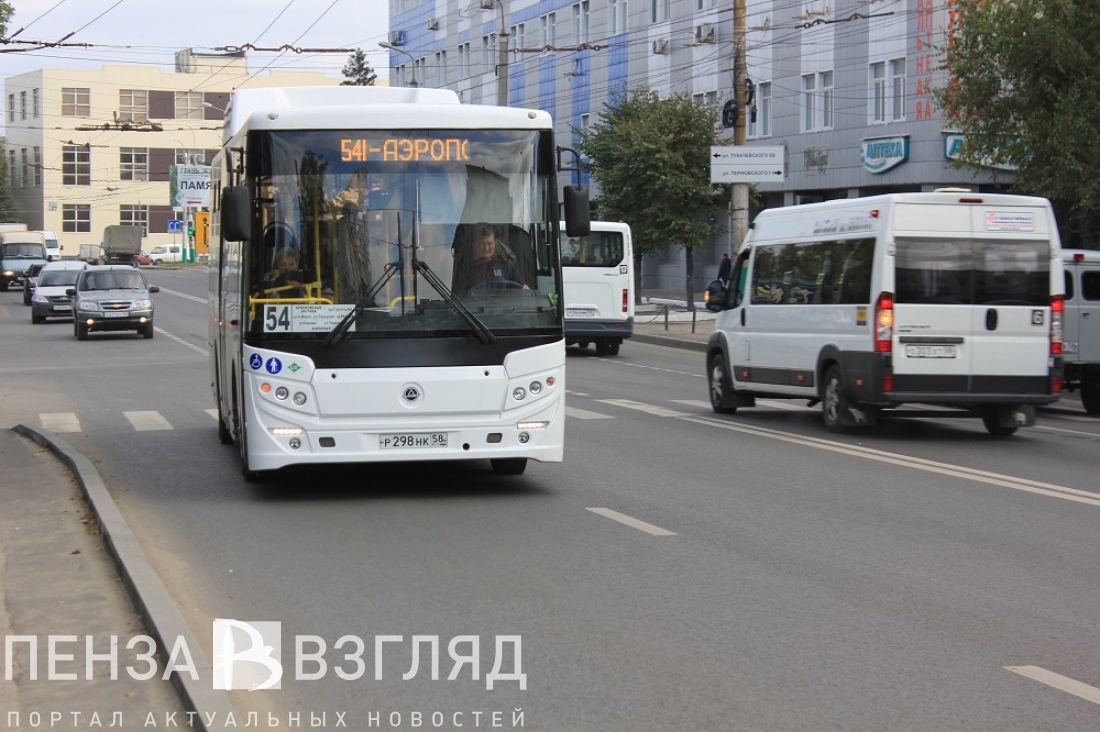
[[1057, 316], [626, 299], [884, 323], [1055, 384], [970, 200]]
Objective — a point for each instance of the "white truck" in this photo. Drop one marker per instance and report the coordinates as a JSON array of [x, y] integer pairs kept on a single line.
[[91, 253]]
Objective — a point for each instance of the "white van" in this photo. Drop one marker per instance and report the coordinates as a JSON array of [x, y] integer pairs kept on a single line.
[[948, 298], [166, 253], [598, 274], [53, 246], [1082, 347]]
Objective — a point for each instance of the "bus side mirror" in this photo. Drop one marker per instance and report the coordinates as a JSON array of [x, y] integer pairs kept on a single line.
[[578, 217], [715, 295], [236, 223]]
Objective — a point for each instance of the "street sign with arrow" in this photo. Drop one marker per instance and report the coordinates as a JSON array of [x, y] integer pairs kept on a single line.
[[746, 164]]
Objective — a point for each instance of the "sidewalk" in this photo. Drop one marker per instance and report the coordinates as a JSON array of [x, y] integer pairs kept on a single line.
[[677, 331], [56, 578]]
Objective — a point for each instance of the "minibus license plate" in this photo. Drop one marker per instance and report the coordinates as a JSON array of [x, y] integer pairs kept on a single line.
[[579, 313], [931, 351], [414, 440]]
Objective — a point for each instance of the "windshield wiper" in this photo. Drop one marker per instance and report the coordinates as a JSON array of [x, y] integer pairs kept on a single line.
[[480, 329], [341, 329]]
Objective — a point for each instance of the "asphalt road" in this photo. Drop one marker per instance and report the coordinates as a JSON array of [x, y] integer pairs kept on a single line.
[[785, 578]]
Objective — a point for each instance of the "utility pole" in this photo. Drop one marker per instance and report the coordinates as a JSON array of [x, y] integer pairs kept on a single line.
[[740, 199], [502, 61]]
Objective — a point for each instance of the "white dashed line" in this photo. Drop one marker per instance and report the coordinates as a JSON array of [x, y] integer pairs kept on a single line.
[[1058, 681], [184, 295], [147, 421], [60, 422], [622, 518], [576, 413], [181, 341]]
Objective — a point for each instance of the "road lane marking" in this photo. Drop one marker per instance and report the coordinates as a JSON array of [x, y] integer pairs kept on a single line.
[[783, 404], [1058, 681], [181, 341], [585, 414], [622, 518], [184, 295], [575, 393], [932, 466], [147, 421], [1068, 432], [653, 409], [60, 421], [1070, 417], [701, 403]]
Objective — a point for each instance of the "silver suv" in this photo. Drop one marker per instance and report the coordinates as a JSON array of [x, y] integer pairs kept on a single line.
[[114, 297]]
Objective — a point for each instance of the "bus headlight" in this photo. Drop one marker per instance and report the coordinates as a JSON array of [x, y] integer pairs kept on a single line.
[[299, 398], [519, 393], [535, 387], [282, 393]]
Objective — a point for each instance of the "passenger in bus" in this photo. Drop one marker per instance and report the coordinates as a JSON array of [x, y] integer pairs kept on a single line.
[[491, 266]]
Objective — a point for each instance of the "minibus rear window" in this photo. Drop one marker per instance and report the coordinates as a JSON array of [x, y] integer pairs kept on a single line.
[[598, 249], [966, 272]]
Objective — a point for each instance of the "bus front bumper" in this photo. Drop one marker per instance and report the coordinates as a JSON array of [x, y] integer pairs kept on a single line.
[[275, 441]]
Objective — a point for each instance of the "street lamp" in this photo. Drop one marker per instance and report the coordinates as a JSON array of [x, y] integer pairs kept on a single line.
[[412, 58]]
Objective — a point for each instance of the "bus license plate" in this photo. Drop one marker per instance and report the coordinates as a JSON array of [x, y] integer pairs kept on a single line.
[[931, 351], [413, 440]]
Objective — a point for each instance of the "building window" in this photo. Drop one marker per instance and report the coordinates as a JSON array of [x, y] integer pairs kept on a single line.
[[488, 46], [585, 119], [36, 103], [463, 61], [617, 10], [22, 105], [37, 167], [134, 216], [897, 88], [878, 91], [441, 68], [133, 105], [76, 102], [580, 21], [519, 37], [705, 4], [13, 172], [826, 90], [761, 126], [76, 218], [76, 165], [133, 163], [11, 108], [808, 95], [27, 177], [186, 156], [189, 105], [659, 10], [548, 24], [708, 99]]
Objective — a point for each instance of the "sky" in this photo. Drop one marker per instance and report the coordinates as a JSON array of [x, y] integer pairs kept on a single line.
[[151, 31]]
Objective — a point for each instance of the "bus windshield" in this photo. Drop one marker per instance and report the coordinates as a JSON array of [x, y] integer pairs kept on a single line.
[[413, 231]]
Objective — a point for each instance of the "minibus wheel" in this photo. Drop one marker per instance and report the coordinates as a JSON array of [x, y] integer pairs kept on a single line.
[[719, 385]]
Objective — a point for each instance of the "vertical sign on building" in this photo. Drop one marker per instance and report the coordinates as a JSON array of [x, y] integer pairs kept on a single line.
[[925, 58]]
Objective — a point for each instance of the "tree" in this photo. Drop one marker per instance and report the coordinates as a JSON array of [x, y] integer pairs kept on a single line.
[[6, 11], [357, 72], [1023, 92], [650, 157]]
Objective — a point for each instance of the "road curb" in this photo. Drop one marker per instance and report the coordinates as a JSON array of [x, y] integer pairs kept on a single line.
[[162, 618], [670, 341]]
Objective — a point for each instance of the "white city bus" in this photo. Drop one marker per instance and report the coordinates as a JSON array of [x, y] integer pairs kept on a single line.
[[599, 287], [354, 316]]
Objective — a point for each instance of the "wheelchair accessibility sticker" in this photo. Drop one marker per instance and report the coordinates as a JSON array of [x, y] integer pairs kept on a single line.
[[255, 361]]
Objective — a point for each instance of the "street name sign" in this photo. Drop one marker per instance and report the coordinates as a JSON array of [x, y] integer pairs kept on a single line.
[[746, 164]]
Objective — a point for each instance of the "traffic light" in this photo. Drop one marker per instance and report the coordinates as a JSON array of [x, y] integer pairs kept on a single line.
[[191, 228]]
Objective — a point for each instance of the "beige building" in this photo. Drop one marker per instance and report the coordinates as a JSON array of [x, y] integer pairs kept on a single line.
[[90, 148]]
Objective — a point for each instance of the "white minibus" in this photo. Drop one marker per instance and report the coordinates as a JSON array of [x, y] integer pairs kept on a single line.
[[599, 287], [947, 298]]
